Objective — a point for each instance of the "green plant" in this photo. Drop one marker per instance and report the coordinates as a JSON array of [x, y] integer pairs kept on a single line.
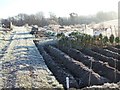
[[117, 40], [74, 33], [60, 35], [100, 36], [111, 39], [105, 40], [101, 40], [77, 39]]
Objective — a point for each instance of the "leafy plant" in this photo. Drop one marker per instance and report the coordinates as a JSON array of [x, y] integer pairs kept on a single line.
[[111, 39], [77, 39], [100, 40], [100, 36], [60, 35], [74, 33], [117, 40], [105, 40]]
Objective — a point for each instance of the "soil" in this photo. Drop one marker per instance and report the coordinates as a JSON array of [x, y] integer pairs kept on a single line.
[[78, 64]]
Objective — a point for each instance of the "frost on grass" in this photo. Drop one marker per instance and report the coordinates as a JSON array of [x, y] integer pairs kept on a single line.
[[20, 58]]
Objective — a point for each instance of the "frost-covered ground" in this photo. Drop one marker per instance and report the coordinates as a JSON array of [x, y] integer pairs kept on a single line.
[[106, 86], [21, 65]]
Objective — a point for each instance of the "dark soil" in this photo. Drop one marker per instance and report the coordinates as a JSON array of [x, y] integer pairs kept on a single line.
[[107, 52], [99, 67], [77, 68], [114, 49], [84, 67], [59, 73], [111, 61]]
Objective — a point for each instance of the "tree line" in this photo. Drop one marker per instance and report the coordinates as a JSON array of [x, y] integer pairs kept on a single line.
[[40, 20]]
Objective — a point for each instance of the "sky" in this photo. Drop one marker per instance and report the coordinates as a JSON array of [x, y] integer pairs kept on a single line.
[[58, 7]]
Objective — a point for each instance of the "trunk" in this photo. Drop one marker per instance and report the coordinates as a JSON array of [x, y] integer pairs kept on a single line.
[[106, 52], [77, 68], [59, 73], [99, 67], [103, 58]]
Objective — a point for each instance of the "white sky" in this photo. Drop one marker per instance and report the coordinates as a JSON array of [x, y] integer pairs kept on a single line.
[[59, 7]]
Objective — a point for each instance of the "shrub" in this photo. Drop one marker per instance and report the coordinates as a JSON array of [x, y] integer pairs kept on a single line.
[[111, 39], [105, 40], [117, 40]]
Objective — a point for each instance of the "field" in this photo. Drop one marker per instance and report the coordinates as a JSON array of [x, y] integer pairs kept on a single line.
[[84, 67], [86, 60]]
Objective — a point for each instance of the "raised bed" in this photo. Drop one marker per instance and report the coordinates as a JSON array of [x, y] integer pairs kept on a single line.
[[114, 49], [59, 73], [99, 67], [112, 62], [77, 68], [106, 52], [117, 46]]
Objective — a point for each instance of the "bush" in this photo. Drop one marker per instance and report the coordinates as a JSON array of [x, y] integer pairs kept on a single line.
[[105, 40], [111, 39], [117, 40]]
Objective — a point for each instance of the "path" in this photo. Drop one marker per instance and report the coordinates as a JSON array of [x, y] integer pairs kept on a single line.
[[22, 65]]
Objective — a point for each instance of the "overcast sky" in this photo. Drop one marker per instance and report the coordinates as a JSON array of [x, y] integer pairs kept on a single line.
[[59, 7]]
